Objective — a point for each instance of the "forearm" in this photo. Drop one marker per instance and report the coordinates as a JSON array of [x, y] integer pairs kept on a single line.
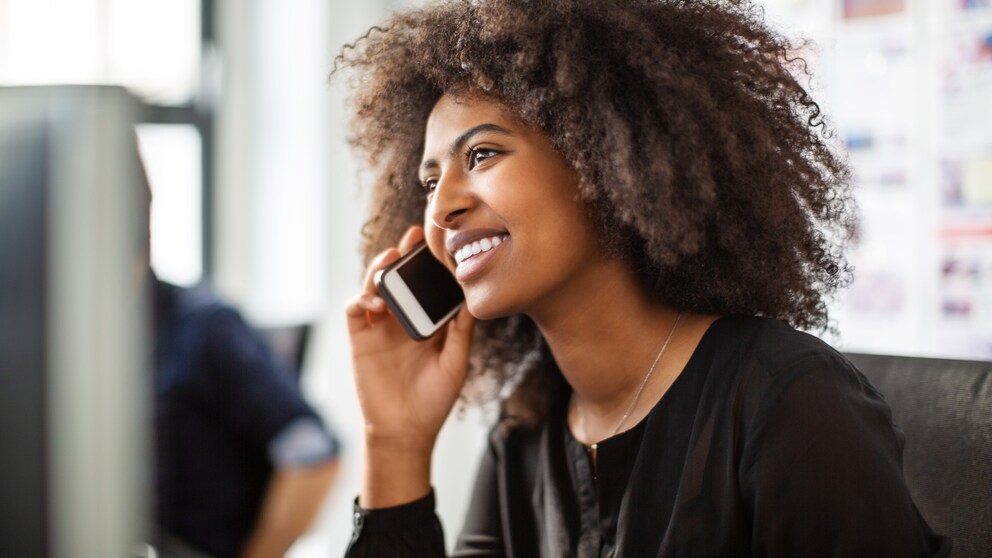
[[291, 503]]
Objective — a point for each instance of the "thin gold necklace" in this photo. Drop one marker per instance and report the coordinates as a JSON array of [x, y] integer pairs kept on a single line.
[[637, 395]]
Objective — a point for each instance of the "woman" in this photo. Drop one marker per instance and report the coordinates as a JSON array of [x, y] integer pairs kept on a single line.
[[656, 207]]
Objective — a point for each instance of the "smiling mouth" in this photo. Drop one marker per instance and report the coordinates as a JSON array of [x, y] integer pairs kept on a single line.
[[473, 249]]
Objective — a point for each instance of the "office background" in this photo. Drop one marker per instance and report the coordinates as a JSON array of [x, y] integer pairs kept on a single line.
[[255, 189]]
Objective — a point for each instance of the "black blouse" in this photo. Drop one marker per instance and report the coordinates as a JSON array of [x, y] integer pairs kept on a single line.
[[770, 443]]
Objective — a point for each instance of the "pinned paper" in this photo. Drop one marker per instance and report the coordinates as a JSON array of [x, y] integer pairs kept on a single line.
[[976, 185]]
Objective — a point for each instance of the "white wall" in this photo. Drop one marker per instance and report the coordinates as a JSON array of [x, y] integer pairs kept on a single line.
[[272, 140]]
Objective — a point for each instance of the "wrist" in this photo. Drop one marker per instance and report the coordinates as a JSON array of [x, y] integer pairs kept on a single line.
[[392, 441], [416, 515], [395, 474]]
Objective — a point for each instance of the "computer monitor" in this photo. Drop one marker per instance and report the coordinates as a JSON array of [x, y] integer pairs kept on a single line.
[[73, 324]]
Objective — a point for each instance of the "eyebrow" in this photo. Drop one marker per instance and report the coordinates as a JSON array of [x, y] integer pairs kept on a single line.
[[462, 139]]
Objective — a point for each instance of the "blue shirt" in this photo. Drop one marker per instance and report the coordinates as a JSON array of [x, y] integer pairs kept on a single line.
[[225, 406]]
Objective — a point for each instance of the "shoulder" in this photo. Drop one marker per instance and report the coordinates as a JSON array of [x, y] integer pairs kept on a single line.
[[767, 352], [776, 368], [819, 459], [202, 303], [793, 389], [189, 321], [201, 323], [200, 311], [771, 343], [196, 306]]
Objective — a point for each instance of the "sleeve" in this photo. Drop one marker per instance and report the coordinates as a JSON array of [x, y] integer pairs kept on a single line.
[[301, 443], [410, 530], [822, 470], [413, 530], [252, 390]]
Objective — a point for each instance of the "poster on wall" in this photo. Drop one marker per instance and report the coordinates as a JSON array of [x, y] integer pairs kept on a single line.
[[966, 291], [973, 4], [964, 117], [909, 92], [854, 9], [876, 64]]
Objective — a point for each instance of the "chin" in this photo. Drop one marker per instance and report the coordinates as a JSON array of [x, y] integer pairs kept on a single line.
[[483, 311], [486, 307]]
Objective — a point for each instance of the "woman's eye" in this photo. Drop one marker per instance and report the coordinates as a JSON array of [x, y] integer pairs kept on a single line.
[[429, 185], [477, 155]]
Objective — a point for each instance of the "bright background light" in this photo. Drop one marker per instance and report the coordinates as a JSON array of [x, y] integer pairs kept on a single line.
[[171, 154], [151, 46]]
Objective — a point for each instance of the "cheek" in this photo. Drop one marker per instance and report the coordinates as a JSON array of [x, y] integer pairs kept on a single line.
[[571, 216]]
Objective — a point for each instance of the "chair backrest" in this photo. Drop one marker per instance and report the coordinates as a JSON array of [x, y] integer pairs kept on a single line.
[[944, 407], [290, 343]]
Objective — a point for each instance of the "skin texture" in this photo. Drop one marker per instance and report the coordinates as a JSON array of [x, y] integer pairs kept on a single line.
[[704, 165], [511, 181]]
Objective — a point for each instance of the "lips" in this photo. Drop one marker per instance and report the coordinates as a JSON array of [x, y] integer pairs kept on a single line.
[[479, 246], [472, 249], [455, 242]]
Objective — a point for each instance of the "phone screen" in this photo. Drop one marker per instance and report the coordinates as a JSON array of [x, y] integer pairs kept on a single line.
[[432, 284]]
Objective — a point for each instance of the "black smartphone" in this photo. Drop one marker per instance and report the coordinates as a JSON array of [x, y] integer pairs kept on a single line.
[[420, 291]]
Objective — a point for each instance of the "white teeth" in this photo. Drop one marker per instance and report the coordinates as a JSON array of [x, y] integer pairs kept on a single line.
[[483, 245]]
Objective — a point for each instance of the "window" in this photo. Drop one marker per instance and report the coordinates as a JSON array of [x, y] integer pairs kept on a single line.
[[156, 49]]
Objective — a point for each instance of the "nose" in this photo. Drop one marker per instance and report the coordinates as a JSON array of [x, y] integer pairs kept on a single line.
[[450, 202]]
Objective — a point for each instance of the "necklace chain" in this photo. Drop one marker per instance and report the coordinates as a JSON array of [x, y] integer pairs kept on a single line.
[[640, 388]]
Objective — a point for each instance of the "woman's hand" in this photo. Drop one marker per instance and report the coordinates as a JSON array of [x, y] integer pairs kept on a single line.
[[406, 388]]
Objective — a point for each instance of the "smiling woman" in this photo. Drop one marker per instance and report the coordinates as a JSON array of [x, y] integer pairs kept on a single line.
[[639, 202]]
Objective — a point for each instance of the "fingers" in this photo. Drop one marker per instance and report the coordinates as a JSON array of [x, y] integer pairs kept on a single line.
[[411, 237], [359, 305], [365, 309], [378, 263]]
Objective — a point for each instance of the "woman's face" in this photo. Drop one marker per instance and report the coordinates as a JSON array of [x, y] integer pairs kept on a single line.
[[503, 210]]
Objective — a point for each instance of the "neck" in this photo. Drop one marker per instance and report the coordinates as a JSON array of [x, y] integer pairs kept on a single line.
[[604, 332]]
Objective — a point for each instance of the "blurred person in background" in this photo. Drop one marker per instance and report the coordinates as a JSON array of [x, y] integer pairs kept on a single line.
[[242, 462]]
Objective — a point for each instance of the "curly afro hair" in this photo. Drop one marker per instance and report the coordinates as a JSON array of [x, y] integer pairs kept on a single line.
[[704, 160]]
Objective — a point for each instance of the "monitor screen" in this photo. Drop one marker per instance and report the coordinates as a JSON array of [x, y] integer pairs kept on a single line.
[[73, 335]]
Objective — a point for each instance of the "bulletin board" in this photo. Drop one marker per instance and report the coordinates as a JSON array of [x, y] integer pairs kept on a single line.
[[907, 85]]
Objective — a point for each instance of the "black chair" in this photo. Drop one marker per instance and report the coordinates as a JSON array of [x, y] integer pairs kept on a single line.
[[290, 343], [944, 407]]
